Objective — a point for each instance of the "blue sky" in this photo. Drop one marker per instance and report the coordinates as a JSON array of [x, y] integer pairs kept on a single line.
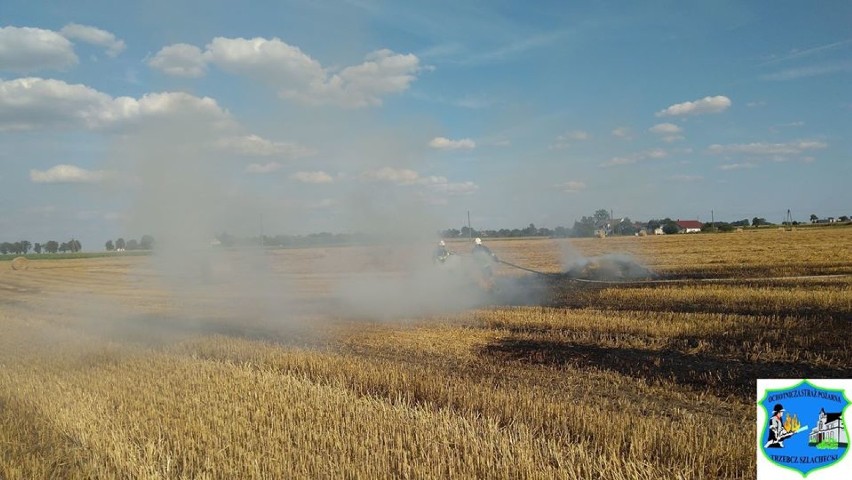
[[124, 119]]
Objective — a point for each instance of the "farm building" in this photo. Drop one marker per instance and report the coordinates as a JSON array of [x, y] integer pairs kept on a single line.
[[689, 226]]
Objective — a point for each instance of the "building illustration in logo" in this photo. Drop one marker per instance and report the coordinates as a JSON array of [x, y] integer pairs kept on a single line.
[[829, 429]]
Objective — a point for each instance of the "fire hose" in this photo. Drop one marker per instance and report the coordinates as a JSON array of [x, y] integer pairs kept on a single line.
[[526, 269]]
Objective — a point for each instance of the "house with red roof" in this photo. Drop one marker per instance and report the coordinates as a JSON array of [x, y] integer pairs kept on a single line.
[[689, 226]]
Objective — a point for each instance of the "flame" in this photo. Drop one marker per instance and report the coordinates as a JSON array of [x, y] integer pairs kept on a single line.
[[791, 423]]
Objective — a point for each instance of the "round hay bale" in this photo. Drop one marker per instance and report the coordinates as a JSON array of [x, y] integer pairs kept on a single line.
[[20, 263], [643, 233]]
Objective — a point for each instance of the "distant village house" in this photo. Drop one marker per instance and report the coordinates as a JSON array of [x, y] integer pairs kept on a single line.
[[689, 226]]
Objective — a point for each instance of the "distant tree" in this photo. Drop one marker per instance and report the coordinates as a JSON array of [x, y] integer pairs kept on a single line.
[[654, 224], [451, 233], [147, 242], [814, 218], [5, 248], [758, 221], [529, 231], [844, 218], [64, 247], [561, 232], [109, 246], [741, 223], [601, 216], [120, 244], [51, 246], [670, 227], [25, 246], [17, 248], [74, 246], [624, 227], [132, 244], [37, 248], [584, 228]]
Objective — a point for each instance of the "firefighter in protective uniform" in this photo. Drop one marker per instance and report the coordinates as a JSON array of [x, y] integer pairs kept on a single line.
[[485, 259], [441, 254]]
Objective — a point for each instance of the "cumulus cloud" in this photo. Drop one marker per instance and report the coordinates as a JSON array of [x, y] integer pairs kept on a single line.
[[312, 177], [94, 36], [565, 140], [622, 132], [295, 74], [66, 174], [716, 104], [768, 149], [32, 103], [25, 49], [652, 154], [405, 177], [399, 176], [665, 129], [180, 60], [443, 186], [669, 132], [253, 145], [572, 186], [442, 143], [263, 167]]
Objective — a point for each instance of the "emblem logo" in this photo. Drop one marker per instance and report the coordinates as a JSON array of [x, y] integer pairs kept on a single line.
[[805, 429]]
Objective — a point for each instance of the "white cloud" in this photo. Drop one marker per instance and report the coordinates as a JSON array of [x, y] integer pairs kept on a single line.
[[94, 36], [669, 132], [300, 77], [443, 186], [685, 178], [737, 166], [572, 186], [31, 103], [25, 49], [253, 145], [436, 184], [715, 104], [66, 174], [665, 129], [759, 148], [263, 167], [442, 143], [654, 154], [312, 177], [565, 140], [180, 60], [399, 176], [622, 132]]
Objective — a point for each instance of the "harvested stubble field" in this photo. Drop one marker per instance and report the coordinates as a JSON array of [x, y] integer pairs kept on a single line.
[[107, 371]]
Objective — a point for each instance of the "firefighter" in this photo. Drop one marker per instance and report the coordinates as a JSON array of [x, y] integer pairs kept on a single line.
[[441, 253], [485, 258]]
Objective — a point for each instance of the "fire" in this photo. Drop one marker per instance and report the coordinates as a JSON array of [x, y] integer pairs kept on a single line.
[[791, 424]]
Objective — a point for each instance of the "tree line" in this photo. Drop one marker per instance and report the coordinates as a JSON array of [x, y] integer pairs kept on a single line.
[[23, 247], [121, 245]]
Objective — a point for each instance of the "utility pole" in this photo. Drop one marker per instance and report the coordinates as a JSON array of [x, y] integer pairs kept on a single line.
[[469, 230]]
